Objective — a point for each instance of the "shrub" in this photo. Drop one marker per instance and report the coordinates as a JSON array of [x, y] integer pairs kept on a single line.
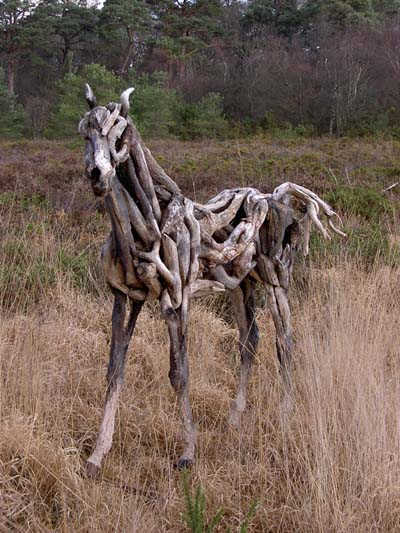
[[157, 110], [71, 106], [367, 243], [153, 105], [367, 234], [204, 118], [270, 123], [365, 202], [75, 266]]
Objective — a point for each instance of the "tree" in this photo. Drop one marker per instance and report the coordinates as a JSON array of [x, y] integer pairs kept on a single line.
[[189, 27], [12, 114], [125, 24], [386, 8], [17, 35], [283, 17], [75, 27], [344, 13]]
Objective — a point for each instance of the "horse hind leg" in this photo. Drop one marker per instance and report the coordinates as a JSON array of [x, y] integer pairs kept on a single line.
[[244, 309], [280, 311], [278, 304], [179, 377]]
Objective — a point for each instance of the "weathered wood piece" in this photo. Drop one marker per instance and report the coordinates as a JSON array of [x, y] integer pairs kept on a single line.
[[164, 246]]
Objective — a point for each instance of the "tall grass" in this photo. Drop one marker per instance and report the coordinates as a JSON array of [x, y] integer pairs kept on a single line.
[[40, 247], [332, 465]]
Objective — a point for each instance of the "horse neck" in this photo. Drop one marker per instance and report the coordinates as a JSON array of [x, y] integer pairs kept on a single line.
[[140, 192], [134, 206]]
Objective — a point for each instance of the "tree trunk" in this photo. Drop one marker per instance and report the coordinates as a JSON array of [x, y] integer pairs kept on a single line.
[[11, 71], [128, 54]]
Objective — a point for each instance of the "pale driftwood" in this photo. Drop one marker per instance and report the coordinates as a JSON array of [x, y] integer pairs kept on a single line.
[[387, 189], [164, 246]]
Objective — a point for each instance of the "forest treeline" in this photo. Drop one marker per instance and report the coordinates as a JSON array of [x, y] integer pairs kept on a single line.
[[203, 68]]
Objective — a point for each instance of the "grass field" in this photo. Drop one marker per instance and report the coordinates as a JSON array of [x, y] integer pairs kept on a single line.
[[332, 465]]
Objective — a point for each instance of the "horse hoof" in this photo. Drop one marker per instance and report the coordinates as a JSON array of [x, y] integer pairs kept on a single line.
[[184, 464], [92, 470]]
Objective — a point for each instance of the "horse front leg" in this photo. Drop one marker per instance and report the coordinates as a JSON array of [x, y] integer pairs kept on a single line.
[[121, 335]]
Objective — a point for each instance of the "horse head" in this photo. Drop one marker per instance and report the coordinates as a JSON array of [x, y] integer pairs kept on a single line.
[[106, 130]]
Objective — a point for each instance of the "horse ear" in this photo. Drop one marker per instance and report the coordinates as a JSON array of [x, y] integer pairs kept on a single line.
[[125, 101], [90, 97]]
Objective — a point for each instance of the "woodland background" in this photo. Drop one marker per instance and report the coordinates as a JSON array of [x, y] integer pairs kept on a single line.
[[203, 68]]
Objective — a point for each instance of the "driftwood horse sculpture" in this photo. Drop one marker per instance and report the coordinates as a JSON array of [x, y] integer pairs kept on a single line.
[[165, 246]]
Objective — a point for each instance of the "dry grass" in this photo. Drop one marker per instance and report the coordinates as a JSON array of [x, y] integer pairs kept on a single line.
[[331, 465]]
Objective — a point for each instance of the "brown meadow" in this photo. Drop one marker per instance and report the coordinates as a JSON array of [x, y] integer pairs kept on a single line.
[[332, 464]]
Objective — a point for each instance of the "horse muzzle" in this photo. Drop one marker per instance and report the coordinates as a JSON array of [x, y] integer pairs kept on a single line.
[[101, 182]]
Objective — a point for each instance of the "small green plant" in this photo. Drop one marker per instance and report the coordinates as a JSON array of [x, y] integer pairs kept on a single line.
[[7, 198], [26, 202], [195, 512], [250, 515], [34, 200]]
